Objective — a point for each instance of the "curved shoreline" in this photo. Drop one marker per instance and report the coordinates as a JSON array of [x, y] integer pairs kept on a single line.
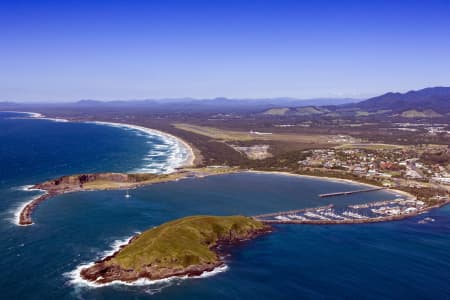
[[24, 211], [336, 180], [191, 157], [109, 269], [188, 161], [48, 187], [77, 279], [27, 209]]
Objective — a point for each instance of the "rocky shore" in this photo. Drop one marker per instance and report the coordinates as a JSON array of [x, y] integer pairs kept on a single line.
[[178, 260], [83, 182], [107, 181], [114, 181], [27, 210]]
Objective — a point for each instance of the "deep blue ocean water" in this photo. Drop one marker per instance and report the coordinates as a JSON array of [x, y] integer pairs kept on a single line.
[[397, 260]]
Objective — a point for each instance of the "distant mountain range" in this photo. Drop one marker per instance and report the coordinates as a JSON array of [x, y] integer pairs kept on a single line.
[[435, 98], [183, 105], [426, 103], [222, 105], [226, 102]]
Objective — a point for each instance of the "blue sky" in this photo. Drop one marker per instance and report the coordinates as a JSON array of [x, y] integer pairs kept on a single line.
[[70, 50]]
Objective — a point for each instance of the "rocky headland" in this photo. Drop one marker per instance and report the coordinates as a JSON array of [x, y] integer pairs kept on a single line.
[[107, 181], [87, 182], [184, 247]]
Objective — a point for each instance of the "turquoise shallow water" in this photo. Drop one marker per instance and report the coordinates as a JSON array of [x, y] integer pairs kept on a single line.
[[390, 260]]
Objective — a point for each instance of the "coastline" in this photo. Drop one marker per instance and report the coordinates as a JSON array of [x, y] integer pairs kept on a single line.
[[179, 143], [189, 160], [190, 157], [20, 209], [118, 181], [17, 219], [29, 113], [75, 277], [337, 180], [187, 155], [106, 271], [26, 209]]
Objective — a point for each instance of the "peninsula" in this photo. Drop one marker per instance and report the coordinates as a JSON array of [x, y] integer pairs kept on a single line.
[[108, 181], [184, 247], [421, 171]]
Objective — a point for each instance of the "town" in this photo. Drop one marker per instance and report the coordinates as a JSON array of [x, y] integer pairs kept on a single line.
[[388, 166]]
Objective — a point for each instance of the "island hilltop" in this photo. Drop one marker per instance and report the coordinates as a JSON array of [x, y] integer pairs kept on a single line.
[[184, 247]]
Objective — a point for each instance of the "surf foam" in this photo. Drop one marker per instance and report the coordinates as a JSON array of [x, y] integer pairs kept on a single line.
[[18, 209], [179, 152], [76, 279]]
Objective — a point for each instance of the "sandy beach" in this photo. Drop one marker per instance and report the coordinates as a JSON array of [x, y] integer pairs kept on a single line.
[[181, 144], [333, 179], [188, 161]]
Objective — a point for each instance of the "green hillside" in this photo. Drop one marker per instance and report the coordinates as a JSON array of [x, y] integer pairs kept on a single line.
[[184, 242]]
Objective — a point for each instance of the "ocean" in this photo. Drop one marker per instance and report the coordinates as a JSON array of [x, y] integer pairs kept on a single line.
[[395, 260]]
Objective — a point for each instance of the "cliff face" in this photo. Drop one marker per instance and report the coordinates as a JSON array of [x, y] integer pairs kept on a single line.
[[78, 182], [186, 246], [93, 182]]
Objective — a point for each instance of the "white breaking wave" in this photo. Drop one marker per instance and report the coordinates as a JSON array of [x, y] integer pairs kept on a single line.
[[34, 115], [56, 120], [216, 271], [15, 212], [27, 188], [30, 114], [24, 188], [76, 279], [179, 152]]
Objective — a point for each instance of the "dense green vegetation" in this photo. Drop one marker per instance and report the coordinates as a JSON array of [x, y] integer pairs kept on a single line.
[[184, 242]]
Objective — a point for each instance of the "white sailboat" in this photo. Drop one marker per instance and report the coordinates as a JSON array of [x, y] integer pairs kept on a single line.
[[127, 195]]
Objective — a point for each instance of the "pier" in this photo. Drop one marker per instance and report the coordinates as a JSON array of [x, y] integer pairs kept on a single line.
[[351, 192]]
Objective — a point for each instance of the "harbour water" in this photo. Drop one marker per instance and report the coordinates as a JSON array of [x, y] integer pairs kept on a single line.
[[396, 260]]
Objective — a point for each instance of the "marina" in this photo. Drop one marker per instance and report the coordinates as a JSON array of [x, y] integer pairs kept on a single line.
[[380, 211]]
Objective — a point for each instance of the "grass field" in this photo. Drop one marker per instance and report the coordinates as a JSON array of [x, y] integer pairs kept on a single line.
[[229, 135], [141, 179], [183, 242]]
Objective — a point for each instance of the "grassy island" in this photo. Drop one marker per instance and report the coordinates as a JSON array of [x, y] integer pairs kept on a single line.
[[187, 246]]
